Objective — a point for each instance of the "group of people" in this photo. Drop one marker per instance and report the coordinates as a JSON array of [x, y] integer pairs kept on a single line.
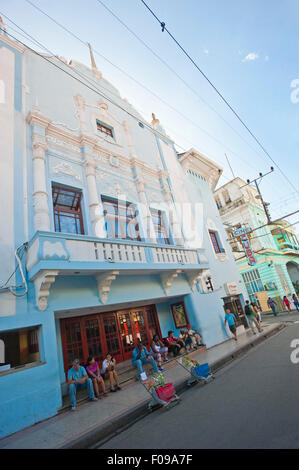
[[272, 304], [91, 377], [253, 316], [188, 339]]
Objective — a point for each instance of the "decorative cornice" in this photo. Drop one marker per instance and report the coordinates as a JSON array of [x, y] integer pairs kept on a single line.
[[193, 279], [42, 284], [35, 118], [167, 279], [104, 284]]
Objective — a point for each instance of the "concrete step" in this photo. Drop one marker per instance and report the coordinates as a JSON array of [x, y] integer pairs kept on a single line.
[[126, 374]]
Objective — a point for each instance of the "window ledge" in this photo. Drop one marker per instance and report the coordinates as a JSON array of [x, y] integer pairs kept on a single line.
[[24, 367]]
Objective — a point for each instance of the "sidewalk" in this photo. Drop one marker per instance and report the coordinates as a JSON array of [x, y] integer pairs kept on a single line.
[[94, 421]]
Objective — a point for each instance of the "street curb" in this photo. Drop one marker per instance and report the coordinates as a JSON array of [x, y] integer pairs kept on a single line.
[[120, 423]]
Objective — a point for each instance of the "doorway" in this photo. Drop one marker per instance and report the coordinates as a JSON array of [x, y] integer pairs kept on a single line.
[[116, 332]]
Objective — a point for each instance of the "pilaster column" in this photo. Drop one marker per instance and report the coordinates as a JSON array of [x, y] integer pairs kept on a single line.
[[81, 113], [95, 208], [40, 195], [131, 146], [173, 218], [146, 215]]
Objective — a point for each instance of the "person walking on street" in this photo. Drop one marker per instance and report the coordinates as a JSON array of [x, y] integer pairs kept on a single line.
[[230, 319], [256, 311], [252, 318], [296, 302], [287, 303], [272, 305]]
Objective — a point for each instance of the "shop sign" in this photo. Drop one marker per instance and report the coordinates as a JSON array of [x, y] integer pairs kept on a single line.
[[231, 288], [241, 233]]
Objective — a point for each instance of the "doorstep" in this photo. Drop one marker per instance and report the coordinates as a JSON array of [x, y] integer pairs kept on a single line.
[[127, 373]]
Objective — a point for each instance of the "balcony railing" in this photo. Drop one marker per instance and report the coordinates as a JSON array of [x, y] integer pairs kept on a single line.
[[63, 251]]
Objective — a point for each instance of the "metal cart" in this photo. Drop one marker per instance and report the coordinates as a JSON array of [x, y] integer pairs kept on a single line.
[[170, 400], [198, 374]]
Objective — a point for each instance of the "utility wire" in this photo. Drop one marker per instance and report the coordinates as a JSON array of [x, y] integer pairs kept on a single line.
[[145, 87], [179, 77], [164, 28], [94, 84]]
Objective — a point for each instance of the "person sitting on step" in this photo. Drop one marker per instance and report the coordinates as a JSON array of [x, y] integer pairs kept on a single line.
[[196, 337], [159, 351], [77, 378], [140, 356], [174, 344], [108, 367], [93, 370], [184, 336]]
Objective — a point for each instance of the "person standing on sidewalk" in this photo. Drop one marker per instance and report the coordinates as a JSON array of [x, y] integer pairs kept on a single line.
[[77, 378], [272, 305], [252, 318], [287, 303], [230, 319], [296, 302], [256, 311]]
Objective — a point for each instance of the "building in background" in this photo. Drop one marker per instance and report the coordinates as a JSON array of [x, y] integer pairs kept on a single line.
[[107, 234], [275, 246]]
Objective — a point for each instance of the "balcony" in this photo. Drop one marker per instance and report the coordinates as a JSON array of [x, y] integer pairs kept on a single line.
[[231, 205], [51, 254]]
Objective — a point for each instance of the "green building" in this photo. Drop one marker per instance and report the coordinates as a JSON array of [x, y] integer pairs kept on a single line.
[[276, 246]]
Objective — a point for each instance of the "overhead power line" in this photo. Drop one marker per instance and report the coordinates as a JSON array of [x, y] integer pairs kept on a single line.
[[92, 87], [85, 43], [91, 81], [164, 28]]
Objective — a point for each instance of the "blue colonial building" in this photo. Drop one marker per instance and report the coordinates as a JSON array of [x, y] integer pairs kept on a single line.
[[107, 233]]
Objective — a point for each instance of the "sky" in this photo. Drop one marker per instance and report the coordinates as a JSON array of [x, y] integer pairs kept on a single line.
[[249, 50]]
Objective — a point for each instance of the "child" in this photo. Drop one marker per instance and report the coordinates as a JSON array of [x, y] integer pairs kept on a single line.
[[108, 367], [93, 371]]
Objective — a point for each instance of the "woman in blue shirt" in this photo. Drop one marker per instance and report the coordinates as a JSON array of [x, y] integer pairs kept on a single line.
[[230, 319]]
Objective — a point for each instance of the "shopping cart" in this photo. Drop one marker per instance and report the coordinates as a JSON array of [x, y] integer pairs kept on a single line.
[[164, 396], [199, 373]]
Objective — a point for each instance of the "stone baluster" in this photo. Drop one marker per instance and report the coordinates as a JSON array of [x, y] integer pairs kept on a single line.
[[40, 195]]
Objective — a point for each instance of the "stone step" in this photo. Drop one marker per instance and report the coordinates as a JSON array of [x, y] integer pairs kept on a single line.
[[126, 373]]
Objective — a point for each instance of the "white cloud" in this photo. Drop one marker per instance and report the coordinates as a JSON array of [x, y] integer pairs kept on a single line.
[[250, 56], [206, 51], [266, 58]]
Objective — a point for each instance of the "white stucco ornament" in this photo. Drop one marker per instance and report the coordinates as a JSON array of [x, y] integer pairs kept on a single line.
[[104, 284], [167, 279], [65, 169], [42, 284], [54, 250]]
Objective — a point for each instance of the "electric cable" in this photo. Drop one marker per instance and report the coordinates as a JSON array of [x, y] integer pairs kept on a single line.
[[164, 28], [148, 89]]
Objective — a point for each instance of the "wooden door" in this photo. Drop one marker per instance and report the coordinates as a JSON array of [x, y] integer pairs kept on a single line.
[[72, 342], [112, 336], [127, 338], [95, 340]]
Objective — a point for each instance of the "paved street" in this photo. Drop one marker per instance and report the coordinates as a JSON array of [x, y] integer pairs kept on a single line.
[[292, 316], [253, 403]]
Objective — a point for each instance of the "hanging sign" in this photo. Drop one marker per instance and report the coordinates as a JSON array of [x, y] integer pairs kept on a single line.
[[241, 233]]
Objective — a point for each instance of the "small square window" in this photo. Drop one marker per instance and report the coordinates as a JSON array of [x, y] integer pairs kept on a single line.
[[105, 129], [20, 347]]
